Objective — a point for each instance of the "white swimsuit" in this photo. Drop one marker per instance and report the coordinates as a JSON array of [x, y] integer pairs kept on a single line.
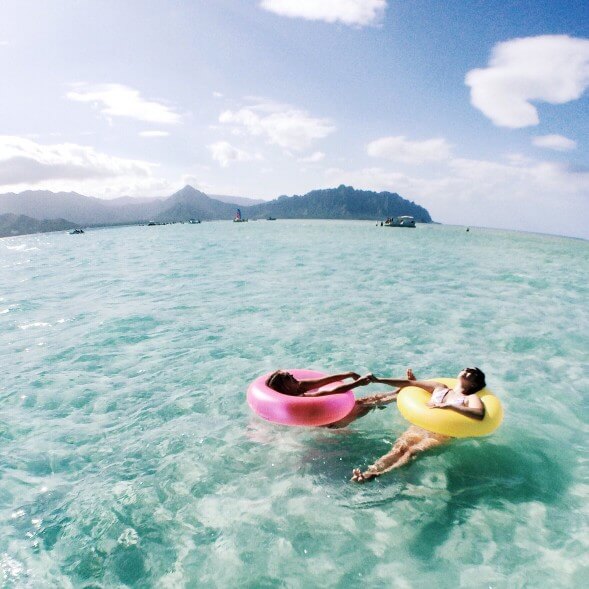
[[439, 395]]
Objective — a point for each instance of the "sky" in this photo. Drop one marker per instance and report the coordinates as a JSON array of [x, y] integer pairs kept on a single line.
[[477, 110]]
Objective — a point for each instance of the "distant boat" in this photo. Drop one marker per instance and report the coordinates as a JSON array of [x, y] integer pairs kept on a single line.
[[270, 218], [238, 218], [194, 221], [76, 232], [402, 221]]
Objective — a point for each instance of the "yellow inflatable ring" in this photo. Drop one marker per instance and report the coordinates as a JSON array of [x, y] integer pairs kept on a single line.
[[412, 405]]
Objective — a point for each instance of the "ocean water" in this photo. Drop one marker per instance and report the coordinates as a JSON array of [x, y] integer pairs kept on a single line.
[[129, 457]]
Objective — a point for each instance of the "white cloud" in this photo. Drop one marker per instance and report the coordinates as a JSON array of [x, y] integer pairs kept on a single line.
[[225, 153], [315, 157], [217, 95], [121, 101], [349, 12], [530, 195], [25, 161], [400, 149], [518, 159], [281, 125], [154, 134], [26, 164], [547, 68], [556, 142]]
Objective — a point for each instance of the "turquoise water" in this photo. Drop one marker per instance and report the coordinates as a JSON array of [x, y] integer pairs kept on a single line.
[[128, 456]]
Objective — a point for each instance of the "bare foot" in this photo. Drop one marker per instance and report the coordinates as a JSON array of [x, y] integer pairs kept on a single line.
[[361, 477], [410, 375]]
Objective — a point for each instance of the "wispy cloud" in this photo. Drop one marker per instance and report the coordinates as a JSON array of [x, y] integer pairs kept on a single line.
[[402, 150], [117, 100], [349, 12], [26, 162], [154, 134], [547, 68], [224, 153], [488, 193], [556, 142], [282, 125], [315, 157]]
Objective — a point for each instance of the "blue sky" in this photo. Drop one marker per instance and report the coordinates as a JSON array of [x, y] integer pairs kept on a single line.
[[477, 110]]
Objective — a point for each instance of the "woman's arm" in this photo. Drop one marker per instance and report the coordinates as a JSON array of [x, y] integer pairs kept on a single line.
[[359, 382], [379, 399], [472, 408], [476, 412], [427, 385], [315, 383]]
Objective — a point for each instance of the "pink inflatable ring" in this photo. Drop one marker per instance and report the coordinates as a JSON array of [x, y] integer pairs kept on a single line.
[[289, 410]]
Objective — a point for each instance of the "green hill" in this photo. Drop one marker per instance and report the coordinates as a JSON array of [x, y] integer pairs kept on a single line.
[[11, 224], [343, 202]]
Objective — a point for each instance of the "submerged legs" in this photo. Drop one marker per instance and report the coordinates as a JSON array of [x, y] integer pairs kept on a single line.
[[364, 406], [411, 443]]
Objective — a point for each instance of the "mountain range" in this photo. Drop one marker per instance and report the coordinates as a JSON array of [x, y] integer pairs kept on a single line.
[[343, 202]]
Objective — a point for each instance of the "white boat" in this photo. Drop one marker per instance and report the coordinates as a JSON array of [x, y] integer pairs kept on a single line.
[[401, 221]]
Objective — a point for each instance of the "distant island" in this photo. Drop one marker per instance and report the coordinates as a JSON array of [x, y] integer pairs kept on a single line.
[[343, 202], [37, 211], [11, 224]]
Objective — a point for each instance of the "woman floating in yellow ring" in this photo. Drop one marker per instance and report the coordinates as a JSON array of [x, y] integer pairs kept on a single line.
[[460, 398]]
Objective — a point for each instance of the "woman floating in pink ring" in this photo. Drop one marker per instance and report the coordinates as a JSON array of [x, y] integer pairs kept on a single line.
[[284, 382]]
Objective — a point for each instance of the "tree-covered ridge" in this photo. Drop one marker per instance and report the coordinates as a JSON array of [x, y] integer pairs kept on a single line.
[[343, 202]]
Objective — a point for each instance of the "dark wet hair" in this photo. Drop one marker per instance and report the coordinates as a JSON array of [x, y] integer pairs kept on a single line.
[[476, 378], [277, 380]]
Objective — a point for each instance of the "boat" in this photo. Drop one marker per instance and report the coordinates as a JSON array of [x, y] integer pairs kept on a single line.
[[270, 218], [194, 221], [401, 221], [238, 218], [76, 232]]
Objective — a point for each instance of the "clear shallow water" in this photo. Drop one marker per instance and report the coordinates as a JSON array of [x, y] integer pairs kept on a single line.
[[128, 456]]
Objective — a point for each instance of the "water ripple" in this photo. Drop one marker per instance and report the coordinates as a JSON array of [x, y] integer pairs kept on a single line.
[[129, 457]]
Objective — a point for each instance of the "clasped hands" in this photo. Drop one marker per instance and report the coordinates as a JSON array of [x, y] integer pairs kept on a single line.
[[363, 380]]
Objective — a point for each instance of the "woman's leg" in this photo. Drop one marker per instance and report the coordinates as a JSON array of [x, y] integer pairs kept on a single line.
[[357, 412], [364, 406], [387, 462], [411, 443]]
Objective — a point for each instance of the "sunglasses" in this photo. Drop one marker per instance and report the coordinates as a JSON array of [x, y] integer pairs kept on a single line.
[[470, 372]]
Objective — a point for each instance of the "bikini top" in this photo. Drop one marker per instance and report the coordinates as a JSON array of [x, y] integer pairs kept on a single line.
[[439, 395]]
